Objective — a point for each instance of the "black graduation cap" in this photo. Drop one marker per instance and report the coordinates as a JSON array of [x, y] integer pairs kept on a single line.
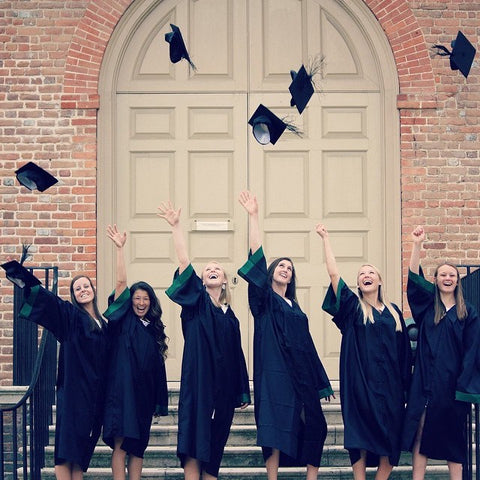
[[301, 88], [267, 127], [462, 54], [18, 274], [34, 177], [178, 50]]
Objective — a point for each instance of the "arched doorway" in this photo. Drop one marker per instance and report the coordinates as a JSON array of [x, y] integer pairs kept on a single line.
[[168, 132]]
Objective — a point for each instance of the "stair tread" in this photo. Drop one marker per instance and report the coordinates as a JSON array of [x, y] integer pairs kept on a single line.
[[224, 470], [243, 458]]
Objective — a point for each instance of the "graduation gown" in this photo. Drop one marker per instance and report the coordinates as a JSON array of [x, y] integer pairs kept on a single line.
[[81, 373], [288, 376], [446, 377], [375, 367], [214, 377], [137, 382]]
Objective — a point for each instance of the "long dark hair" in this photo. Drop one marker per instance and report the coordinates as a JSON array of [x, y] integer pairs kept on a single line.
[[154, 315], [98, 315], [291, 292]]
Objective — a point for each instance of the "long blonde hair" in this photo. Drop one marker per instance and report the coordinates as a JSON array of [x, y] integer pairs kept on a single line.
[[440, 311], [367, 309], [225, 296]]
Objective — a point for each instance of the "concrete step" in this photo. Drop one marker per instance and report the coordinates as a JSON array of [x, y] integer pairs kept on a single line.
[[239, 435], [242, 458], [164, 428], [332, 412], [325, 473], [334, 456]]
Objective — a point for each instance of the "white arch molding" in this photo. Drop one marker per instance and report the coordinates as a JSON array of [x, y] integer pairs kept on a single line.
[[185, 128]]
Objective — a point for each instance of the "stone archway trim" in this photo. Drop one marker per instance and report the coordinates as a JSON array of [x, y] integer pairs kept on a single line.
[[84, 58]]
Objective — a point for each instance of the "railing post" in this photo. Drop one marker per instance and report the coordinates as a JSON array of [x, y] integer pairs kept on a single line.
[[25, 342], [34, 365], [471, 291]]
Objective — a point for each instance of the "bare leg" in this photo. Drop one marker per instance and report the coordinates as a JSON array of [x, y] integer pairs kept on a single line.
[[419, 461], [455, 470], [384, 469], [118, 460], [68, 471], [312, 472], [63, 472], [191, 469], [134, 467], [77, 472], [360, 467], [272, 464], [207, 476]]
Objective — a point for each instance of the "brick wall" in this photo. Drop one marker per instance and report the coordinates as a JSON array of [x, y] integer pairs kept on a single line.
[[440, 144], [50, 57]]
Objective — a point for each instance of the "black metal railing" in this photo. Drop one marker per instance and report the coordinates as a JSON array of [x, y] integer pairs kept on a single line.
[[24, 427], [471, 292]]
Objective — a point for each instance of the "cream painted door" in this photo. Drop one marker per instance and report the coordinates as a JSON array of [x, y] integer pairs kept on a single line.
[[184, 135], [189, 149], [322, 177]]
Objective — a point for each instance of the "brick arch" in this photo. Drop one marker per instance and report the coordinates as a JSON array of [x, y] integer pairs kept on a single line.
[[85, 55], [84, 58], [408, 45]]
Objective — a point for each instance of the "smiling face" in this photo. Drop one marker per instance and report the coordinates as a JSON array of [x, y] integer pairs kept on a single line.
[[446, 278], [213, 275], [283, 272], [83, 291], [368, 279], [140, 303]]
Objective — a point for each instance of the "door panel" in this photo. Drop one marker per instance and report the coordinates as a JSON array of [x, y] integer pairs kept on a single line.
[[330, 175], [215, 35], [189, 149], [183, 135]]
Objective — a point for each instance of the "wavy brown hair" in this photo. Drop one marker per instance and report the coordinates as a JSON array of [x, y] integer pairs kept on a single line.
[[154, 315], [98, 315]]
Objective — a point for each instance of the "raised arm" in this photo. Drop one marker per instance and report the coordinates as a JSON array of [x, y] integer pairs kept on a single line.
[[418, 236], [330, 261], [119, 240], [250, 204], [172, 216]]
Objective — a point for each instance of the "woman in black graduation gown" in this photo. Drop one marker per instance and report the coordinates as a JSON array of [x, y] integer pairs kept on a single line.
[[446, 377], [137, 382], [214, 376], [82, 333], [289, 379], [375, 366]]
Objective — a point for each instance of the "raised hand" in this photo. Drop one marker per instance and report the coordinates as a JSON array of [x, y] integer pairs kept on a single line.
[[418, 234], [117, 237], [321, 230], [249, 202], [168, 212]]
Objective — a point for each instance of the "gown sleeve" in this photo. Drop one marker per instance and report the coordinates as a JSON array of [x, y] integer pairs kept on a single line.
[[341, 306], [243, 387], [49, 311], [254, 271], [404, 350], [185, 288], [117, 307], [161, 390], [468, 382], [420, 294]]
